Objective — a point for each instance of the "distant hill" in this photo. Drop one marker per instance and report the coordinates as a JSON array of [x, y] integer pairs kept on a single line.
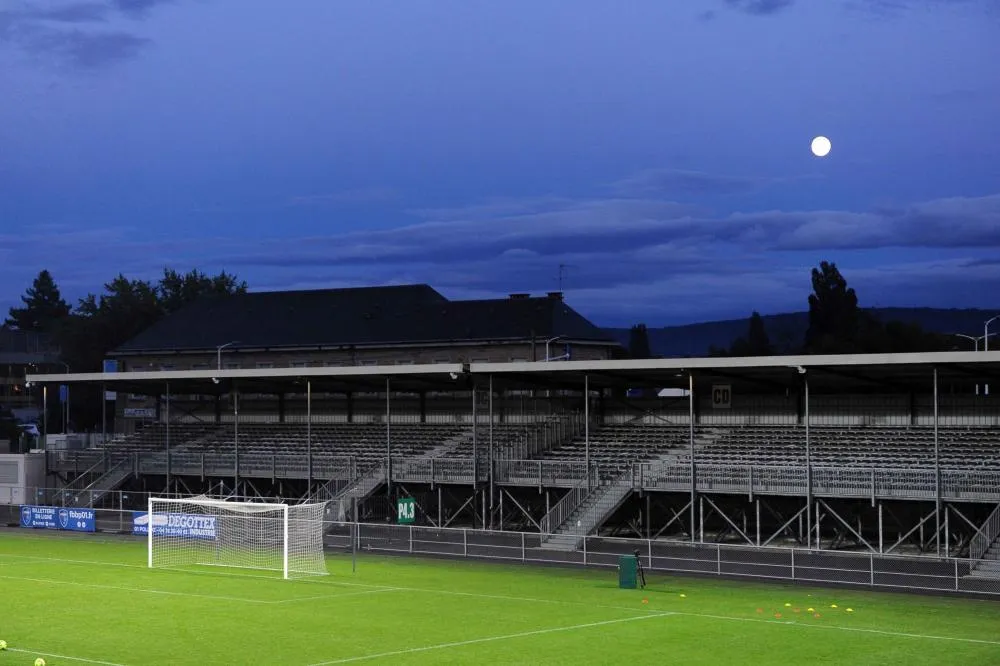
[[788, 329]]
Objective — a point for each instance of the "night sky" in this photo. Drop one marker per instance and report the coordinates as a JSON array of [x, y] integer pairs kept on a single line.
[[658, 149]]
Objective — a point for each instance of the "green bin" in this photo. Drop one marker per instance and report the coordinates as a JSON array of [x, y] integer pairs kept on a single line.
[[628, 569]]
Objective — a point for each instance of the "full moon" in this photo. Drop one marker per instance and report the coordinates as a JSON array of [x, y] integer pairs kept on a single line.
[[820, 146]]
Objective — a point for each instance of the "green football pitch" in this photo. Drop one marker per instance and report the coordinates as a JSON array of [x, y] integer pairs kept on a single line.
[[92, 601]]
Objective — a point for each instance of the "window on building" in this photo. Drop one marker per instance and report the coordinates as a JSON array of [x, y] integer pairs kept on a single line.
[[231, 366], [300, 364], [404, 361], [264, 365]]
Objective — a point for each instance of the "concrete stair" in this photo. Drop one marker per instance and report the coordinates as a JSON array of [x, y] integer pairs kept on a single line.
[[589, 514]]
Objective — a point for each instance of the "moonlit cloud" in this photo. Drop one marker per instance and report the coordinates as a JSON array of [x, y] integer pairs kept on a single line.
[[489, 148]]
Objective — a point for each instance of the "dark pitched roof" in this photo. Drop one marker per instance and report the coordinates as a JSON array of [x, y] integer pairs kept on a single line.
[[362, 316]]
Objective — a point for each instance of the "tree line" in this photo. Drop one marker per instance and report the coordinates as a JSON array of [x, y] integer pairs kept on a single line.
[[837, 325], [98, 323]]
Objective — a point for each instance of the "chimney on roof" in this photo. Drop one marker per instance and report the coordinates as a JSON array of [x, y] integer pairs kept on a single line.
[[518, 297], [555, 295]]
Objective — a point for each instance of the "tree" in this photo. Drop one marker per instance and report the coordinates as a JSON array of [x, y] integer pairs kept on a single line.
[[638, 342], [102, 322], [176, 290], [834, 316], [756, 341], [44, 308]]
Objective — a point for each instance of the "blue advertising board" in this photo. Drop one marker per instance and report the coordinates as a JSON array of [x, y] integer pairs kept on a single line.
[[186, 525], [55, 518]]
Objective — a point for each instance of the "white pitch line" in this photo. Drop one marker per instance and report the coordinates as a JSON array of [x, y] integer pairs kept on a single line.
[[339, 596], [120, 588], [490, 639], [63, 657], [863, 630], [479, 595]]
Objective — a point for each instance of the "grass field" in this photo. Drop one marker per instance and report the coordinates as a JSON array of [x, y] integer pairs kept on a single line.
[[91, 600]]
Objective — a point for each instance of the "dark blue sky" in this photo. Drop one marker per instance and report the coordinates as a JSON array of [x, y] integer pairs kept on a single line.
[[660, 149]]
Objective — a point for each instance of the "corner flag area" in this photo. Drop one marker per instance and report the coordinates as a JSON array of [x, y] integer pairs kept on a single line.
[[76, 601]]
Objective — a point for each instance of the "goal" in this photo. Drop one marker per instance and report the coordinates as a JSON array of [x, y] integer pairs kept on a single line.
[[250, 535]]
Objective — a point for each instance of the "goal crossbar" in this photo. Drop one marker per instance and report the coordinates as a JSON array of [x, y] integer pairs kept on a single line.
[[249, 535]]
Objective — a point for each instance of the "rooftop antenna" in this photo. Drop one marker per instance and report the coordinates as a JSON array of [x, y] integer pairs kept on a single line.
[[562, 272]]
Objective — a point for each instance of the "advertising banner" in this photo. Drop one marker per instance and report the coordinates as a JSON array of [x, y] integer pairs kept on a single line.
[[55, 518], [174, 525]]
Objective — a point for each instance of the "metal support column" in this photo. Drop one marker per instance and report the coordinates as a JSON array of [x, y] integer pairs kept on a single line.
[[694, 485], [809, 497], [881, 533], [168, 437], [104, 415], [490, 443], [586, 427], [45, 416], [937, 470], [475, 441], [309, 452], [236, 439], [388, 441]]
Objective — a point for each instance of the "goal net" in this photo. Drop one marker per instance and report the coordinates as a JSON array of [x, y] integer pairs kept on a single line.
[[287, 538]]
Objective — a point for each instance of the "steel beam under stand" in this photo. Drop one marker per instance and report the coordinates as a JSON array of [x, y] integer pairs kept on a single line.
[[713, 507], [846, 525]]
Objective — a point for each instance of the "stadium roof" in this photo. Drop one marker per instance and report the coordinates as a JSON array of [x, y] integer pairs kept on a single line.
[[887, 372], [894, 372], [368, 316]]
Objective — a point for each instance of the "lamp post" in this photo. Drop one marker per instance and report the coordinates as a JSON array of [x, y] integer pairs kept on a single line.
[[218, 353], [986, 344], [986, 332], [975, 341], [549, 342]]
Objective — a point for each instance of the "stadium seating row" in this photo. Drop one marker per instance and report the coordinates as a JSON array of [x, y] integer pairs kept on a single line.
[[612, 446]]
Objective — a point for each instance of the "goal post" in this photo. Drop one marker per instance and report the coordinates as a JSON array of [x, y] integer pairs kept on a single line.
[[268, 536]]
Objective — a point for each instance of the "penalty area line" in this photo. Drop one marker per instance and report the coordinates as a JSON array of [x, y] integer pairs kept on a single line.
[[323, 597], [63, 657], [489, 639], [833, 627], [119, 588]]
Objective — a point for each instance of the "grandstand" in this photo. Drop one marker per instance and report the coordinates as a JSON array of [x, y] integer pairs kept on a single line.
[[882, 454]]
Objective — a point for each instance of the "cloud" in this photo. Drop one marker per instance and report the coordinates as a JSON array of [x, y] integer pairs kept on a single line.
[[677, 181], [627, 259], [138, 8], [346, 197], [760, 7], [43, 32], [86, 50], [80, 12]]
